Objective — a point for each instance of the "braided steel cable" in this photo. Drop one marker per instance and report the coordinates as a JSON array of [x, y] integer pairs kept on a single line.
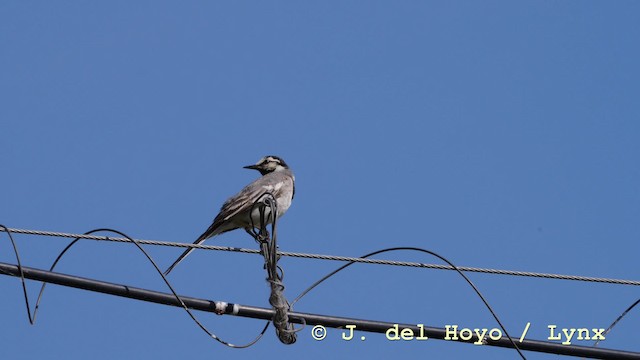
[[335, 258]]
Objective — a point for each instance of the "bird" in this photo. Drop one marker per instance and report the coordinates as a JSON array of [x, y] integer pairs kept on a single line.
[[239, 211]]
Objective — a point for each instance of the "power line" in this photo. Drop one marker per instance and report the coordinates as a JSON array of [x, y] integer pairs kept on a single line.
[[334, 257], [221, 307], [283, 327]]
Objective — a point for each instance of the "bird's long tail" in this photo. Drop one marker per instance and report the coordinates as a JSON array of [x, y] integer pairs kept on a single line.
[[211, 231]]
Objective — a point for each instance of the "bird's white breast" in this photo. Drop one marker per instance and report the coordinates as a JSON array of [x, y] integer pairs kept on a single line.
[[284, 200]]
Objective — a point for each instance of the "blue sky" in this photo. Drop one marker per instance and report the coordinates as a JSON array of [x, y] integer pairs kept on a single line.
[[499, 134]]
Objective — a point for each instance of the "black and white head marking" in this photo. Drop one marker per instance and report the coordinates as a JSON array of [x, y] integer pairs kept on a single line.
[[268, 164]]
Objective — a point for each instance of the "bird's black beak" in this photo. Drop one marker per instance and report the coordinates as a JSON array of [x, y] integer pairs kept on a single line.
[[252, 167]]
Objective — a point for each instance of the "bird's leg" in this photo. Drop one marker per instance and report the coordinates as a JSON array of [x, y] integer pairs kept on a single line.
[[251, 232], [263, 235]]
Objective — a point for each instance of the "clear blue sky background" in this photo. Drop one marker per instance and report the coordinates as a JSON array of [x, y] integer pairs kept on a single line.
[[500, 134]]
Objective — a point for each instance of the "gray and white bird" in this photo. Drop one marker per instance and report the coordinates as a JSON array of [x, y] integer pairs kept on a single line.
[[236, 212]]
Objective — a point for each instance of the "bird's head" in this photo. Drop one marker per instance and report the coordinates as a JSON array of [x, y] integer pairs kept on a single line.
[[268, 164]]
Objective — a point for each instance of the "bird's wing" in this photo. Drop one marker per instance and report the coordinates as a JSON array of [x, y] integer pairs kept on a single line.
[[246, 198], [242, 201]]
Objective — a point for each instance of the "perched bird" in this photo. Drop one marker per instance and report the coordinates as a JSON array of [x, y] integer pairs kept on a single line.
[[237, 212]]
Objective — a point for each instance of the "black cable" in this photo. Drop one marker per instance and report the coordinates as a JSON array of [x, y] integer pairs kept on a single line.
[[253, 312], [617, 320], [32, 319], [193, 317], [428, 252]]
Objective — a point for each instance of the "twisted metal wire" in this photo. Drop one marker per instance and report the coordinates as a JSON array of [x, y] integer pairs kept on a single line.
[[268, 246], [335, 258]]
